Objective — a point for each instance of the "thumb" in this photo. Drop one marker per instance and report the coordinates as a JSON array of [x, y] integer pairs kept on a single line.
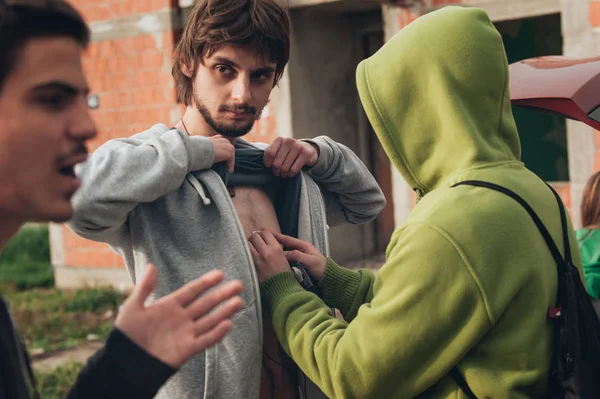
[[267, 158], [297, 256], [145, 287]]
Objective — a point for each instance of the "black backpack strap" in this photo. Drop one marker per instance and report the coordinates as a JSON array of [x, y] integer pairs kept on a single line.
[[558, 258], [563, 220]]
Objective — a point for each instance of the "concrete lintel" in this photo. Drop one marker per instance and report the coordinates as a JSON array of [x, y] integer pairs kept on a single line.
[[282, 99], [164, 20], [391, 23], [57, 247], [575, 17], [67, 277], [503, 10]]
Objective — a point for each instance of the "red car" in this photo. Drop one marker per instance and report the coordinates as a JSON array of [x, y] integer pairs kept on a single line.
[[558, 84]]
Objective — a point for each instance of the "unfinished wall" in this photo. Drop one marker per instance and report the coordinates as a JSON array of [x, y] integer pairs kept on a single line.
[[324, 99]]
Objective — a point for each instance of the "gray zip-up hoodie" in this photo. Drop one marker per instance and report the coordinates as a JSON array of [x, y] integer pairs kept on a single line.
[[154, 198]]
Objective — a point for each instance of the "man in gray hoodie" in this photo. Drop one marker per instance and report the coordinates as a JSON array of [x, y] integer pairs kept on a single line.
[[168, 196]]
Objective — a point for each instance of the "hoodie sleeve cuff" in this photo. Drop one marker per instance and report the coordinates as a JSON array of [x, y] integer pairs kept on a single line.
[[201, 152], [325, 155], [338, 285], [276, 288]]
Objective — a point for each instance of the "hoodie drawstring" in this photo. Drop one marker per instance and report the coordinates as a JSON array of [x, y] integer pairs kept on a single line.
[[199, 189]]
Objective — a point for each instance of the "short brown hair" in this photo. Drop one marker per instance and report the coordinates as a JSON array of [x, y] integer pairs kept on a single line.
[[590, 202], [24, 20], [262, 24]]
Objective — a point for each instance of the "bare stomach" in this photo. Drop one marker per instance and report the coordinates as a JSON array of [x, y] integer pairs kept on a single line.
[[256, 212]]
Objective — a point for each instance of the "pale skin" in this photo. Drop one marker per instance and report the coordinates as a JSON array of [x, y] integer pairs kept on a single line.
[[45, 126], [179, 325]]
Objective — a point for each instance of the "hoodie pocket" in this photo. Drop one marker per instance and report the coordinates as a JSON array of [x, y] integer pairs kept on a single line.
[[233, 366]]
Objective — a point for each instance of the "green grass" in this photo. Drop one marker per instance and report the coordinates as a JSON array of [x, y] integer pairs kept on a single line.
[[25, 276], [25, 260], [30, 244], [55, 384], [53, 319]]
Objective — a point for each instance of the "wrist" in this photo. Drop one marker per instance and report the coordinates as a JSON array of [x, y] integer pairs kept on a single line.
[[318, 272], [315, 156]]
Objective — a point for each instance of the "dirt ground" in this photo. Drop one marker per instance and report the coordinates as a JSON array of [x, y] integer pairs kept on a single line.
[[79, 354]]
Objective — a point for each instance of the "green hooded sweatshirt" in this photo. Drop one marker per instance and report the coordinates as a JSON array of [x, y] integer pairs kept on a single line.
[[589, 246], [468, 279]]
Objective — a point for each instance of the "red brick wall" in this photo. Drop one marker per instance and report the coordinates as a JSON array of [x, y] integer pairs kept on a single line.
[[101, 10], [595, 13], [132, 78]]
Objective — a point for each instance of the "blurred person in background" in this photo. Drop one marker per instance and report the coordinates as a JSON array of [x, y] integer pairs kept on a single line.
[[589, 235]]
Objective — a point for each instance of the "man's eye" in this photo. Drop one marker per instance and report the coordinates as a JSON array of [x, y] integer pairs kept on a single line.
[[262, 76], [224, 70], [55, 101]]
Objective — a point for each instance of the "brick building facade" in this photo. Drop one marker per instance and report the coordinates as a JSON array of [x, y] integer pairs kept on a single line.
[[129, 62]]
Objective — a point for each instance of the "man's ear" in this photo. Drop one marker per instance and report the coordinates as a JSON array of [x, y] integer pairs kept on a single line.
[[184, 68]]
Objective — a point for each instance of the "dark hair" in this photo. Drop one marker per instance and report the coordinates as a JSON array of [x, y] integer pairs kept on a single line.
[[261, 24], [590, 201], [23, 20]]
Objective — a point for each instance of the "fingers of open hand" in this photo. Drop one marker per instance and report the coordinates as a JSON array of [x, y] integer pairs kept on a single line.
[[208, 302], [192, 290], [225, 312], [212, 337]]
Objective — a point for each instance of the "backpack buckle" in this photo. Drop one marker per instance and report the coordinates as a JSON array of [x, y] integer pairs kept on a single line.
[[554, 313]]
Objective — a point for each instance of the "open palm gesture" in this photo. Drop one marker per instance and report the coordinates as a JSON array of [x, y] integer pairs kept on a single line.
[[183, 323]]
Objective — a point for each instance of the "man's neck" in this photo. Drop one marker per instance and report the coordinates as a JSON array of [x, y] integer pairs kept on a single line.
[[194, 124], [8, 228]]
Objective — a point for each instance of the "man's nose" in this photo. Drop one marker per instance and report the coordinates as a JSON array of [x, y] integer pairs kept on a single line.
[[83, 126], [241, 90]]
